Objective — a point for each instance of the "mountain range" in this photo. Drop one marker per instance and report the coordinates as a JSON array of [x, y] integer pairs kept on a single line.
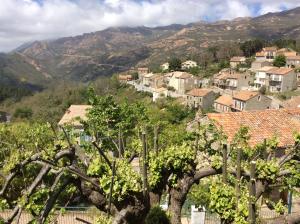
[[88, 56]]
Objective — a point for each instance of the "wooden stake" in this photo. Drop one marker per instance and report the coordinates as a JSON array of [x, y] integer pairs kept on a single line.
[[224, 167], [155, 139], [265, 153], [252, 192], [238, 175], [120, 145], [111, 186], [145, 180]]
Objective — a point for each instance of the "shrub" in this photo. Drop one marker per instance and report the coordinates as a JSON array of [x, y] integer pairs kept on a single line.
[[23, 112], [157, 216], [263, 90], [279, 61]]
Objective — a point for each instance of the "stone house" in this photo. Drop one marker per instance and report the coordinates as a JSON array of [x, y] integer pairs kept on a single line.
[[261, 77], [72, 117], [276, 79], [165, 66], [125, 78], [256, 65], [248, 100], [287, 52], [266, 54], [142, 71], [223, 104], [156, 81], [181, 81], [293, 61], [188, 64], [281, 80], [233, 80], [237, 61], [159, 93], [153, 80], [200, 98]]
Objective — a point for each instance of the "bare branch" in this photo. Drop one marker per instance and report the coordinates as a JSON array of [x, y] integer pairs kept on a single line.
[[45, 169], [205, 172], [102, 154], [53, 197], [132, 157], [67, 137]]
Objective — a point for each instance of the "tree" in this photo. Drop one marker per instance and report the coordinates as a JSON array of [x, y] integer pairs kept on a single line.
[[230, 199], [213, 50], [174, 64], [59, 167], [279, 61], [250, 47], [52, 169], [263, 90]]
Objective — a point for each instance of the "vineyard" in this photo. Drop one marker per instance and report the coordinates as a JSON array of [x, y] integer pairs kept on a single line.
[[125, 159]]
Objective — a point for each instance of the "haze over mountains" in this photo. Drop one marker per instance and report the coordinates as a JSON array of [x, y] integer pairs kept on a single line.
[[88, 56]]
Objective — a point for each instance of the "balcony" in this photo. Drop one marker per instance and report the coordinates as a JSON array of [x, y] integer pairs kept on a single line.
[[260, 81], [275, 83], [276, 78]]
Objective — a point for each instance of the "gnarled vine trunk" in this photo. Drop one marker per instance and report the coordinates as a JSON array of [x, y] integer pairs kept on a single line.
[[178, 196], [176, 202]]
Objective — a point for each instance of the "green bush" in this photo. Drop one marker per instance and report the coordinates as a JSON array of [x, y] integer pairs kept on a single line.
[[23, 113], [157, 216]]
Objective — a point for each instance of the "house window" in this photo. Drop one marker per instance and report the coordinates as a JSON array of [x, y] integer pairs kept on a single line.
[[242, 105]]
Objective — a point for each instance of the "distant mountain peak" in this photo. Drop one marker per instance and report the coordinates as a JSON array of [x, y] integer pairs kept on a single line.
[[116, 49]]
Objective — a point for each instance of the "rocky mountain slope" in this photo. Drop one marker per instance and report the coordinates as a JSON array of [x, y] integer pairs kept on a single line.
[[88, 56]]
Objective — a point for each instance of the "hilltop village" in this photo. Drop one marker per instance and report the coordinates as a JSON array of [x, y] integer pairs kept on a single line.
[[247, 84]]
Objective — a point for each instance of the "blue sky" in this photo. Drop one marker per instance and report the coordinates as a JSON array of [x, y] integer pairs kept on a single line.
[[27, 20]]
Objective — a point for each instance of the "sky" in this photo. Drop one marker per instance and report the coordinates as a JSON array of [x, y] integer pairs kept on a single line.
[[24, 21]]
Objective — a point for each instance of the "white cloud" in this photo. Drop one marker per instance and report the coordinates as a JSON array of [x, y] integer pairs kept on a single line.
[[27, 20]]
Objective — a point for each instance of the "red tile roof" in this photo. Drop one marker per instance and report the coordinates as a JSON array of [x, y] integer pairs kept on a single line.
[[238, 59], [297, 57], [244, 95], [281, 71], [228, 75], [274, 48], [294, 102], [260, 54], [199, 92], [225, 100], [73, 113], [262, 125], [182, 75]]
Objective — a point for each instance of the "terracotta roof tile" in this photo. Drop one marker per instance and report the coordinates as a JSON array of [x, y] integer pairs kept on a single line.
[[228, 75], [244, 95], [225, 100], [199, 92], [294, 102], [182, 75], [266, 68], [260, 54], [73, 113], [281, 71], [262, 125], [238, 59], [159, 90], [273, 48], [297, 57]]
